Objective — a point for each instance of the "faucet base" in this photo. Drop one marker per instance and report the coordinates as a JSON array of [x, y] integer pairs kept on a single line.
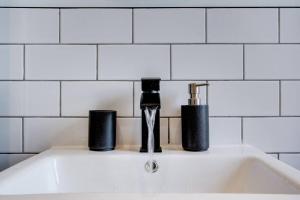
[[145, 150]]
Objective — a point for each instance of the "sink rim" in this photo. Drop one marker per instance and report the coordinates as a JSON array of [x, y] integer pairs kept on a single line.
[[246, 151]]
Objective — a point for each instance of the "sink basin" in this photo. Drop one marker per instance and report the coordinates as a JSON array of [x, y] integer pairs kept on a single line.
[[225, 170]]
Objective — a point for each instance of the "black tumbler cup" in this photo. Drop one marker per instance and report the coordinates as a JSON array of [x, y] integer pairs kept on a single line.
[[102, 130]]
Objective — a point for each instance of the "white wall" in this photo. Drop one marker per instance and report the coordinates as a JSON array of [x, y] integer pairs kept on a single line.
[[57, 64]]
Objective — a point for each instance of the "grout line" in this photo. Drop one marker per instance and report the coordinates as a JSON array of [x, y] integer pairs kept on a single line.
[[282, 152], [280, 98], [213, 116], [17, 117], [171, 62], [23, 135], [140, 7], [59, 26], [244, 68], [242, 130], [270, 116], [138, 80], [132, 26], [9, 153], [133, 93], [278, 25], [207, 92], [60, 98], [205, 24], [24, 69], [169, 134], [97, 62], [163, 43]]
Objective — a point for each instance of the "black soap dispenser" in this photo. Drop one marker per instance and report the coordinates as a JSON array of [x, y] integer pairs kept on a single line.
[[195, 121]]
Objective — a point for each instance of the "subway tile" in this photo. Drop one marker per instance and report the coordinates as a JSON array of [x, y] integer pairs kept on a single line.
[[244, 98], [225, 131], [80, 97], [131, 62], [42, 133], [11, 135], [29, 98], [173, 94], [11, 62], [129, 131], [96, 25], [61, 62], [289, 25], [291, 159], [290, 97], [175, 131], [8, 160], [272, 61], [243, 25], [186, 25], [207, 62], [222, 131], [25, 25], [273, 134]]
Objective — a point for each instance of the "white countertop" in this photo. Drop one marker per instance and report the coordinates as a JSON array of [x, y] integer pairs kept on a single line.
[[149, 3]]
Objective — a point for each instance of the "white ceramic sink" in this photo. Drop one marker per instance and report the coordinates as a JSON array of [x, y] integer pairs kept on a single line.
[[226, 171]]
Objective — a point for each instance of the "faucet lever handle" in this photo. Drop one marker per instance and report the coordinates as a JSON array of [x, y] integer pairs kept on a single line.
[[150, 84]]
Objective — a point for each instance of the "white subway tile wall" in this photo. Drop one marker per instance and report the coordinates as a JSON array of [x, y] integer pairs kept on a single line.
[[291, 159], [96, 26], [60, 62], [207, 62], [289, 25], [244, 98], [242, 25], [79, 97], [169, 25], [11, 135], [273, 134], [57, 64], [28, 98], [129, 131], [272, 61], [42, 133], [290, 92], [131, 62], [222, 131], [11, 62], [25, 25]]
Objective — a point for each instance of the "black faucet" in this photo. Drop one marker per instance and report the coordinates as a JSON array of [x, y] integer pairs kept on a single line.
[[150, 99]]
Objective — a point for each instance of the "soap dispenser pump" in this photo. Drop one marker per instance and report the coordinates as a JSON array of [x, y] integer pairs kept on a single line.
[[195, 121]]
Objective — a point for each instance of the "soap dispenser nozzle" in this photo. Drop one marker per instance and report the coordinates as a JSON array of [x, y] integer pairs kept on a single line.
[[194, 90]]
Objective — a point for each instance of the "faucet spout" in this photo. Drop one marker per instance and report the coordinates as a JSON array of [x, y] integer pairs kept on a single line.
[[150, 98]]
